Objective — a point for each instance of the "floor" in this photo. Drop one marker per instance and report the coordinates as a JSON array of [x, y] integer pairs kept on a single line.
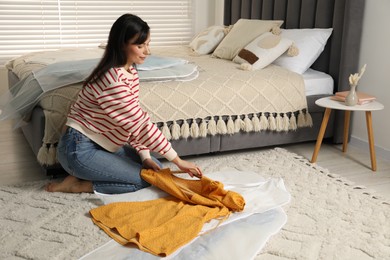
[[18, 163]]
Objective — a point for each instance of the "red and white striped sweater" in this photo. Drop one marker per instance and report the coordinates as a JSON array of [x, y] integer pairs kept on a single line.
[[109, 113]]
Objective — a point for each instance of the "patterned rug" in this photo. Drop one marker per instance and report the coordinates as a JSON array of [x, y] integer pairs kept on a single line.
[[328, 216]]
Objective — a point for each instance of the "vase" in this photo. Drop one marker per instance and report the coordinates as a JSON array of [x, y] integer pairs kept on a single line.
[[352, 98]]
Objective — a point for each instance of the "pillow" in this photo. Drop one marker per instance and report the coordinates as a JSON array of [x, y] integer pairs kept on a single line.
[[206, 41], [310, 42], [263, 50], [243, 32]]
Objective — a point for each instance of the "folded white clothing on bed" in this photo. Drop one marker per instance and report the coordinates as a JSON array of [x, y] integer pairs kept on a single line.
[[64, 73], [154, 69], [183, 72], [242, 234], [153, 62], [26, 93]]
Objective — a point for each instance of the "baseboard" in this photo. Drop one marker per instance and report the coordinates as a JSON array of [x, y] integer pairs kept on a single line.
[[363, 144]]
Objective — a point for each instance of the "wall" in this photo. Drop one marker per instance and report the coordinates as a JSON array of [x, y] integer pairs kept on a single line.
[[3, 79], [207, 13], [375, 52]]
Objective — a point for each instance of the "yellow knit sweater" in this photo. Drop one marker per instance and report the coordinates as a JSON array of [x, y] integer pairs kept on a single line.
[[163, 225]]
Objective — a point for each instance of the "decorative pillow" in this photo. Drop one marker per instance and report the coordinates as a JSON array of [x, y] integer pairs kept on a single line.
[[310, 42], [243, 32], [206, 41], [263, 50]]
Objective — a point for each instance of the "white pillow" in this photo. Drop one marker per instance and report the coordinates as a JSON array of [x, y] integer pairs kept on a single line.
[[207, 40], [243, 32], [263, 50], [310, 42]]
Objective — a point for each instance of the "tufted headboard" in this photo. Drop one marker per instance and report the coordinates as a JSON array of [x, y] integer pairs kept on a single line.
[[341, 55]]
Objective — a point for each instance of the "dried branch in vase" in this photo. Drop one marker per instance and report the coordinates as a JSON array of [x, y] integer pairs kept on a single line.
[[354, 78]]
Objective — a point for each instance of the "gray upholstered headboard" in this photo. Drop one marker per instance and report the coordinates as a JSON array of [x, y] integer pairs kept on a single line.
[[341, 55]]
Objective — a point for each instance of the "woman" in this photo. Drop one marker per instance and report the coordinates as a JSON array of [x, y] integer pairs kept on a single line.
[[109, 137]]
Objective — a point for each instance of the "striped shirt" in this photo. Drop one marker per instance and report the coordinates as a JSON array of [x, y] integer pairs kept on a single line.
[[109, 113]]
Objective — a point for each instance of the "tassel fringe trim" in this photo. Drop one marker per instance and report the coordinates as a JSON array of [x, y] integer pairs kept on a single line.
[[196, 128], [257, 122], [47, 154]]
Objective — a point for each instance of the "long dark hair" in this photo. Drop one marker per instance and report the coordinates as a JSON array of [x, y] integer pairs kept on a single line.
[[127, 27]]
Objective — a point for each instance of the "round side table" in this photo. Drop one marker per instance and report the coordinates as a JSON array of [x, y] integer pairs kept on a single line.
[[330, 104]]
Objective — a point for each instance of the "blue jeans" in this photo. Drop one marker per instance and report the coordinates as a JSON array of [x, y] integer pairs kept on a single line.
[[109, 173]]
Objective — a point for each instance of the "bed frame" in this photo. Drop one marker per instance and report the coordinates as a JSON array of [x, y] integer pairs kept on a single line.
[[339, 59]]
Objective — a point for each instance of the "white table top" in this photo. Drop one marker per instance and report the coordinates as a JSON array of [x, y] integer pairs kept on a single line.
[[334, 104]]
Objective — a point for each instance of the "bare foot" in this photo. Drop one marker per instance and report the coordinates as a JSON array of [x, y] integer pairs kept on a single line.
[[70, 184]]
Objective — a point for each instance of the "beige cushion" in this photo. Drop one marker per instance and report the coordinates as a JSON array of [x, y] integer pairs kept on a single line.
[[243, 32], [263, 50], [207, 40]]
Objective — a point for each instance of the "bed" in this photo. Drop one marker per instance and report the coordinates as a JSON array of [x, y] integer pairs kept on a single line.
[[183, 124]]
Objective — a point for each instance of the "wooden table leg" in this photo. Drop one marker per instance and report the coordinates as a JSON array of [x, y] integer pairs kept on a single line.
[[321, 134], [371, 140], [346, 129]]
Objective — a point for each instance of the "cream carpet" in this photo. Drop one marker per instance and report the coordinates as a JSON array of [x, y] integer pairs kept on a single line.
[[328, 217]]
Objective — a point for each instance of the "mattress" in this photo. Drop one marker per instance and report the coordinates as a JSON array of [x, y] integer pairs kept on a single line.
[[317, 83]]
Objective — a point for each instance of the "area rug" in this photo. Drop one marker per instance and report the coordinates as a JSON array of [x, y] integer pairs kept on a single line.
[[328, 216]]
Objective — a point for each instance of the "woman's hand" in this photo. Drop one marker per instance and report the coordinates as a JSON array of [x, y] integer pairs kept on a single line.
[[188, 167], [150, 164]]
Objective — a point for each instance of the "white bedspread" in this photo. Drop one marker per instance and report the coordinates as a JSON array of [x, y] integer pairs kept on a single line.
[[241, 236]]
